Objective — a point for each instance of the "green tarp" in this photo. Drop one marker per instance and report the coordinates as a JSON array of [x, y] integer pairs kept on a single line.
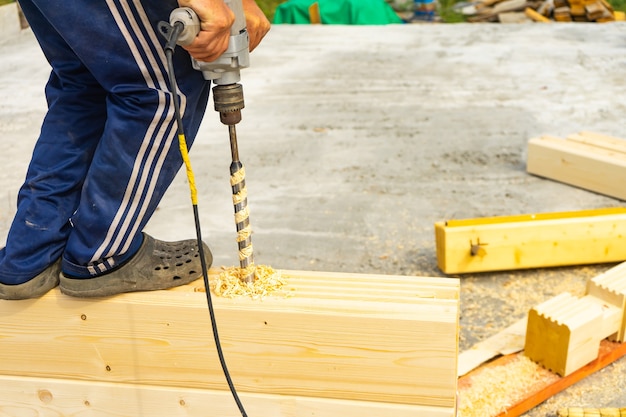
[[338, 12]]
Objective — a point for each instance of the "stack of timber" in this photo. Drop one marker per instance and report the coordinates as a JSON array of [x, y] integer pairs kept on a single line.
[[339, 345], [592, 161], [518, 11], [531, 241]]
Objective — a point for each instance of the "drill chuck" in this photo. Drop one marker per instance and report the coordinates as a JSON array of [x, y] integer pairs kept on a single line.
[[228, 101]]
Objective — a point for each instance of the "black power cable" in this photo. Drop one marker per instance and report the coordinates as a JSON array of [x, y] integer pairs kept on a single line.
[[171, 33]]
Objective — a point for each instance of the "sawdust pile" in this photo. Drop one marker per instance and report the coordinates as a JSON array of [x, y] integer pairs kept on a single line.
[[495, 389], [267, 281]]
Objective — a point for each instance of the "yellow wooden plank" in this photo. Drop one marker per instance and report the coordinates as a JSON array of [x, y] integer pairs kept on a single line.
[[374, 344], [27, 397], [531, 241], [314, 13], [578, 164]]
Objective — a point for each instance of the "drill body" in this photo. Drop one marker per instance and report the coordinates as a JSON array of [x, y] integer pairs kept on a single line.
[[226, 69]]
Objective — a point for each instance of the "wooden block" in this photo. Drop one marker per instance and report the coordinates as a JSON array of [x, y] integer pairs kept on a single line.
[[537, 17], [595, 10], [488, 3], [388, 340], [564, 333], [578, 10], [586, 166], [611, 288], [531, 240], [562, 14], [607, 5], [509, 6], [512, 17]]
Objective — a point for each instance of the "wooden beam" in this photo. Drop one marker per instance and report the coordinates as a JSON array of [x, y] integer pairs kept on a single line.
[[564, 333], [591, 165], [610, 143], [537, 17], [531, 240], [27, 397], [610, 287], [384, 339]]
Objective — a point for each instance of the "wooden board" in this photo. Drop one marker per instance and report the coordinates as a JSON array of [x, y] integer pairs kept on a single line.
[[531, 240], [385, 339], [507, 341], [589, 162], [522, 397], [28, 397]]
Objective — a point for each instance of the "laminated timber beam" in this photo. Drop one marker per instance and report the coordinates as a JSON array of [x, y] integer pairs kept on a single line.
[[564, 333], [340, 344], [587, 160], [531, 240], [27, 397]]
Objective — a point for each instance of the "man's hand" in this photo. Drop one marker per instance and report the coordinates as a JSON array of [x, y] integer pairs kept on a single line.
[[215, 22], [256, 23]]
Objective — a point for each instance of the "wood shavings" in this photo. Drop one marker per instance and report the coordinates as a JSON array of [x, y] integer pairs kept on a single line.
[[493, 390], [267, 281]]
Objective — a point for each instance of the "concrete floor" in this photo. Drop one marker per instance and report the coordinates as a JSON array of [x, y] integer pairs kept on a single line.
[[356, 140]]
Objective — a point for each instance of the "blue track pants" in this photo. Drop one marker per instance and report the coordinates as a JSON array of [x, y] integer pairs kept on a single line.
[[108, 147]]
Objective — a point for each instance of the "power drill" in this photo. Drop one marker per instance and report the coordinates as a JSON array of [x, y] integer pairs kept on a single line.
[[228, 101]]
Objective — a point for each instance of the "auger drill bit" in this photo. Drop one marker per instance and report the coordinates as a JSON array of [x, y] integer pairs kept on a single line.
[[228, 101]]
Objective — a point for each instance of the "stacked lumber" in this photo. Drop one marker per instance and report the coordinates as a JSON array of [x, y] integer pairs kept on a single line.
[[516, 11], [592, 161], [338, 345]]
